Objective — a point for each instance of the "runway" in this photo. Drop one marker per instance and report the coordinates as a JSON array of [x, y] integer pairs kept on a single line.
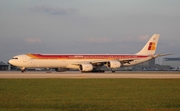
[[77, 74]]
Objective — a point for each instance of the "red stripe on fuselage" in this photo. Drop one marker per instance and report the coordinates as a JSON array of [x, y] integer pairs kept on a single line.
[[84, 56]]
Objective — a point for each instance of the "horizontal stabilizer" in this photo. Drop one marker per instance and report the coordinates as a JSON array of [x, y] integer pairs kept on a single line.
[[160, 55]]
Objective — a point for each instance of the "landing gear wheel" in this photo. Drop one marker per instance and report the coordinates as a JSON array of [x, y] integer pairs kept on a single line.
[[23, 71], [93, 71], [113, 71]]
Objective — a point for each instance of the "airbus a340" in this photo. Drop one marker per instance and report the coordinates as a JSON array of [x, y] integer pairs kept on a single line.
[[86, 62]]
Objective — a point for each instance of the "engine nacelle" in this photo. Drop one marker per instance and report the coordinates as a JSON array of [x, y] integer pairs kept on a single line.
[[114, 64], [86, 67], [61, 69]]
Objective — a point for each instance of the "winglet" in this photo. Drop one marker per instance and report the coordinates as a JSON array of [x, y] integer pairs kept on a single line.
[[150, 47]]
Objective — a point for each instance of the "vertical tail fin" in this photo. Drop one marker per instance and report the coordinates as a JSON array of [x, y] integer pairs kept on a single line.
[[150, 47]]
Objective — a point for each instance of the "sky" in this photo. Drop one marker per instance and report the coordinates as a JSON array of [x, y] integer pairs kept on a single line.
[[87, 26]]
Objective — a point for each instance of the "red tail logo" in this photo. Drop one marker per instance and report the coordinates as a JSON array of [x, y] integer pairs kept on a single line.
[[152, 46]]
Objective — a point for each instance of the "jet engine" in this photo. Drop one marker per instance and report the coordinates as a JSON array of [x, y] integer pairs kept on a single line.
[[86, 67], [114, 64]]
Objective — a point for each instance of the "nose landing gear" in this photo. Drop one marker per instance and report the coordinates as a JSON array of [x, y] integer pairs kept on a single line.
[[23, 69]]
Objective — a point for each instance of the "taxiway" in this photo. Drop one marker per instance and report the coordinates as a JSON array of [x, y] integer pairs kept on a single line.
[[76, 74]]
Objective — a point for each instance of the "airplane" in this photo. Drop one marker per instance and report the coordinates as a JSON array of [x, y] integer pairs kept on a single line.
[[87, 62]]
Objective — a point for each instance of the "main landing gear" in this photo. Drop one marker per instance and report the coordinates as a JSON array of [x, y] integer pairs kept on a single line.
[[93, 71], [113, 71], [97, 71]]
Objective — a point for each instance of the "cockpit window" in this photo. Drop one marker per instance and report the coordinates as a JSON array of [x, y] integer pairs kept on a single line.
[[14, 58]]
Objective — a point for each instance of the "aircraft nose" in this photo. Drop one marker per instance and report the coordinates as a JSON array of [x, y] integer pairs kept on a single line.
[[10, 62]]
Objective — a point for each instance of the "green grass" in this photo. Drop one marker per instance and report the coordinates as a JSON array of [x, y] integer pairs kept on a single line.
[[89, 94]]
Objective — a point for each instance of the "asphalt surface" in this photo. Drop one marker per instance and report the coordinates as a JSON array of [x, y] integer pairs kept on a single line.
[[77, 74]]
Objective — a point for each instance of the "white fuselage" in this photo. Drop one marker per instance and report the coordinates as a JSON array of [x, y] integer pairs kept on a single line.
[[29, 62]]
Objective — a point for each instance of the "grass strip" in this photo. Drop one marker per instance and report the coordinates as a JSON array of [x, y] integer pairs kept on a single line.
[[89, 94]]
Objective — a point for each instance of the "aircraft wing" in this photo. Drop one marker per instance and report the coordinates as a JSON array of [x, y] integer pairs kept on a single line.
[[100, 62]]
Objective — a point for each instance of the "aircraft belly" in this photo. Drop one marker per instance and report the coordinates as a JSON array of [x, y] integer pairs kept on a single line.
[[55, 63]]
